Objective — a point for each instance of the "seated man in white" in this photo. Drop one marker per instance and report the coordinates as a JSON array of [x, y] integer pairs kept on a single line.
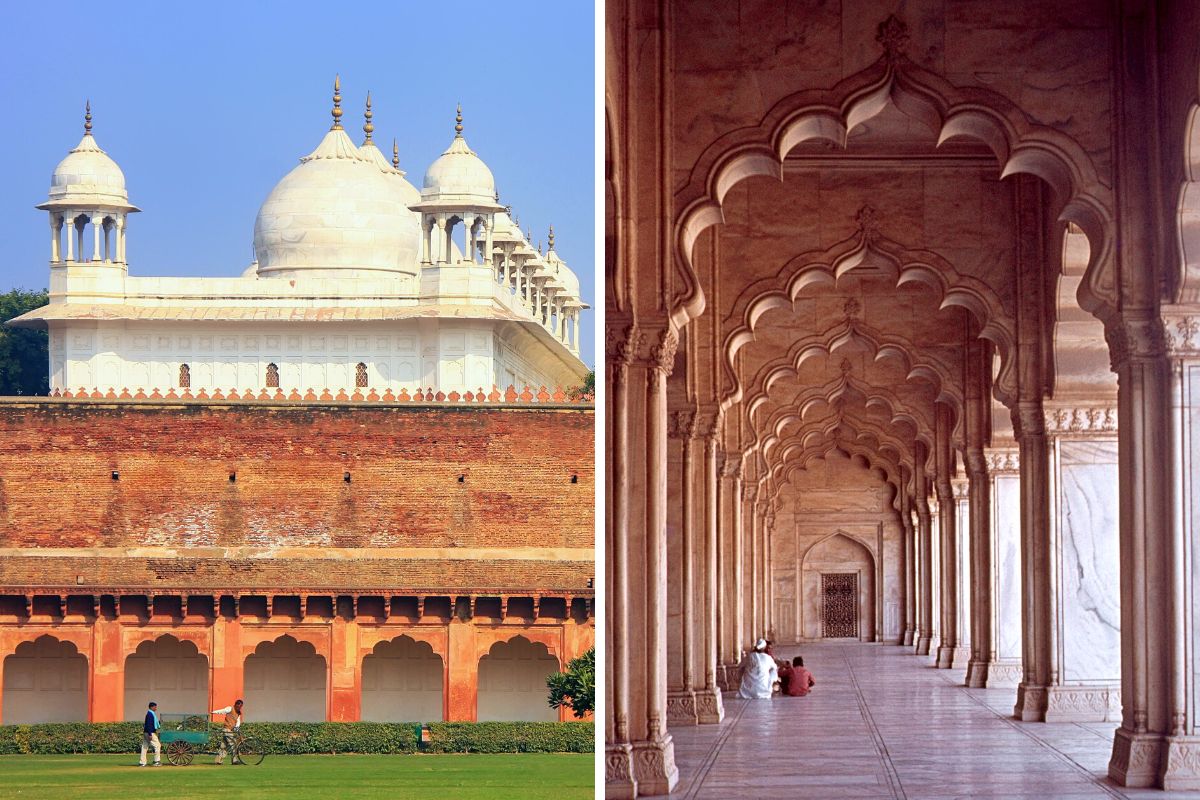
[[759, 673]]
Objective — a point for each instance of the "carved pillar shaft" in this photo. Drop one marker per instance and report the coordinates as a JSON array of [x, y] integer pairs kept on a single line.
[[948, 533], [925, 539], [681, 700], [709, 708], [983, 649], [1037, 611]]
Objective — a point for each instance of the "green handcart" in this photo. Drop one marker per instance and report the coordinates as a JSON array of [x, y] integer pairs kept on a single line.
[[183, 736]]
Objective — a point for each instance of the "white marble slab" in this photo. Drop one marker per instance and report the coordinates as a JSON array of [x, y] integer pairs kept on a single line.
[[1006, 530], [1088, 526], [963, 534]]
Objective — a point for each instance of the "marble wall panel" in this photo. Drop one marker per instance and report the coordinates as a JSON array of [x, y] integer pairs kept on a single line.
[[963, 535], [1191, 442], [1088, 529], [1006, 523]]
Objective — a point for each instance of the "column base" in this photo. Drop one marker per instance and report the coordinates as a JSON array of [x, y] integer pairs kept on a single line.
[[922, 646], [681, 707], [709, 707], [907, 641], [654, 767], [1135, 758], [1083, 703], [1181, 767], [1031, 703], [618, 772], [950, 657], [993, 674]]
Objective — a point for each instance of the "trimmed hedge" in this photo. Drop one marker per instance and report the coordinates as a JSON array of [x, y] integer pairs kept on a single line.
[[298, 738]]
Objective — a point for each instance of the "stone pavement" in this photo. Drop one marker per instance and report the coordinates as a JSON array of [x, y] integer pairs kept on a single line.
[[885, 724]]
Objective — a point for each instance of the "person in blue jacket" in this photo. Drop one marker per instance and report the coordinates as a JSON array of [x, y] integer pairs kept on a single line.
[[150, 736]]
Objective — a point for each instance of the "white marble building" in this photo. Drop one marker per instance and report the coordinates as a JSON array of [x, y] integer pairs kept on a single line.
[[359, 280]]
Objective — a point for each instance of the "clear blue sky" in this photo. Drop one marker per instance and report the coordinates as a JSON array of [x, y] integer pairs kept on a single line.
[[205, 106]]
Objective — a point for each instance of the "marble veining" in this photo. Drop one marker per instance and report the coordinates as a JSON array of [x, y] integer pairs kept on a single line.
[[1088, 525], [1007, 534]]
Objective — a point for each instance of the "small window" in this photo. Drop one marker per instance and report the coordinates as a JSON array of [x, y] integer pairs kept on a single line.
[[185, 376], [360, 375], [272, 376]]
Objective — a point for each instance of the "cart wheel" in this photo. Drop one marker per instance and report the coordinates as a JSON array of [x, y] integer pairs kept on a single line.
[[250, 750], [179, 754]]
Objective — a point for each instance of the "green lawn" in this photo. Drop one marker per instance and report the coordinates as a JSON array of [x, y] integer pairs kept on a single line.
[[395, 777]]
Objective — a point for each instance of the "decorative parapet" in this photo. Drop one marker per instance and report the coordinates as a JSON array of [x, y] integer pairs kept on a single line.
[[510, 396], [1069, 420], [1002, 460]]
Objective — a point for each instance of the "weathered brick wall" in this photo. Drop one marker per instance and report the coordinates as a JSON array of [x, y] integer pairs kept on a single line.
[[174, 461]]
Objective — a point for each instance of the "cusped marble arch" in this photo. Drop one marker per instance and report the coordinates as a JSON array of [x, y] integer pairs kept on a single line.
[[1018, 144], [881, 347], [949, 287]]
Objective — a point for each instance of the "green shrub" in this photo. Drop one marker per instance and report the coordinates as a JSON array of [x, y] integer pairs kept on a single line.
[[511, 737], [299, 738]]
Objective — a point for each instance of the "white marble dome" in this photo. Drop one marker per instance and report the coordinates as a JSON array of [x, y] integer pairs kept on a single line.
[[459, 174], [337, 215], [88, 177]]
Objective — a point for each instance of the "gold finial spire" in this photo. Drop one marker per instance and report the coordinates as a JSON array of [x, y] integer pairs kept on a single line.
[[458, 128], [395, 155], [551, 237], [368, 128], [337, 103], [87, 118]]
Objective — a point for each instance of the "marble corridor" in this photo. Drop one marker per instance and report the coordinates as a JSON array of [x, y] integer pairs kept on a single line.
[[883, 723]]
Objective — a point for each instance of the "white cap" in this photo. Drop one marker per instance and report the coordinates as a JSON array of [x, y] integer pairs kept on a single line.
[[761, 644]]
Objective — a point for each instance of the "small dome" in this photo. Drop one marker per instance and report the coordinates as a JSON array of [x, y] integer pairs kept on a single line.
[[337, 214], [458, 173], [88, 177]]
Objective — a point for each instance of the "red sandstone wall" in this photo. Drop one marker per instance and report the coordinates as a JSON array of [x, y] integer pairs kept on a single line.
[[56, 489]]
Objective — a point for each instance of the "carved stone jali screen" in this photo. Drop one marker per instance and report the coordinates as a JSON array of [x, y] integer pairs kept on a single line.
[[839, 592]]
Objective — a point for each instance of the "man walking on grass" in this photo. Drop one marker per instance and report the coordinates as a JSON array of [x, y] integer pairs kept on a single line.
[[150, 736], [233, 725]]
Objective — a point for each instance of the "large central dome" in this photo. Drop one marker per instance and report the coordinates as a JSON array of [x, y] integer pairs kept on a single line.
[[337, 215]]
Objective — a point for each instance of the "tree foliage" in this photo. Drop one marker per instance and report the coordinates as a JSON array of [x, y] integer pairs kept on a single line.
[[24, 353], [575, 688], [588, 389]]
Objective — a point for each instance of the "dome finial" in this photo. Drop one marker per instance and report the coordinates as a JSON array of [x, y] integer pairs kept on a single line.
[[395, 155], [551, 237], [458, 128], [337, 103], [87, 118], [368, 128]]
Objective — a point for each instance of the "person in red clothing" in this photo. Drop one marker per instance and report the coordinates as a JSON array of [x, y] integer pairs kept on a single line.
[[796, 679]]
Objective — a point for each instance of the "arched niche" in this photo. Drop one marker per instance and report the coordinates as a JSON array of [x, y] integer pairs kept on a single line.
[[512, 682], [45, 680], [285, 681], [169, 672], [838, 554], [402, 681]]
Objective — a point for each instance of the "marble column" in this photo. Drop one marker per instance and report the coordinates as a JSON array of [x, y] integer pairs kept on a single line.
[[904, 573], [1003, 467], [731, 605], [983, 650], [1086, 660], [639, 753], [925, 547], [709, 708], [1158, 372], [681, 593], [910, 570], [948, 540], [962, 527], [1037, 614]]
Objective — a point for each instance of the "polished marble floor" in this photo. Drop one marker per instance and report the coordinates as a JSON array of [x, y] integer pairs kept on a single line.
[[885, 724]]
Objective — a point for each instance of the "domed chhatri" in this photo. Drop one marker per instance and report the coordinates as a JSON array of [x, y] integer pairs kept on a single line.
[[360, 281], [88, 176], [459, 174]]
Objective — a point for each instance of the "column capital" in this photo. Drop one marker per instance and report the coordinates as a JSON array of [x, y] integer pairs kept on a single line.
[[961, 488], [1181, 330], [976, 462], [1028, 418], [649, 344], [1138, 335], [682, 424]]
